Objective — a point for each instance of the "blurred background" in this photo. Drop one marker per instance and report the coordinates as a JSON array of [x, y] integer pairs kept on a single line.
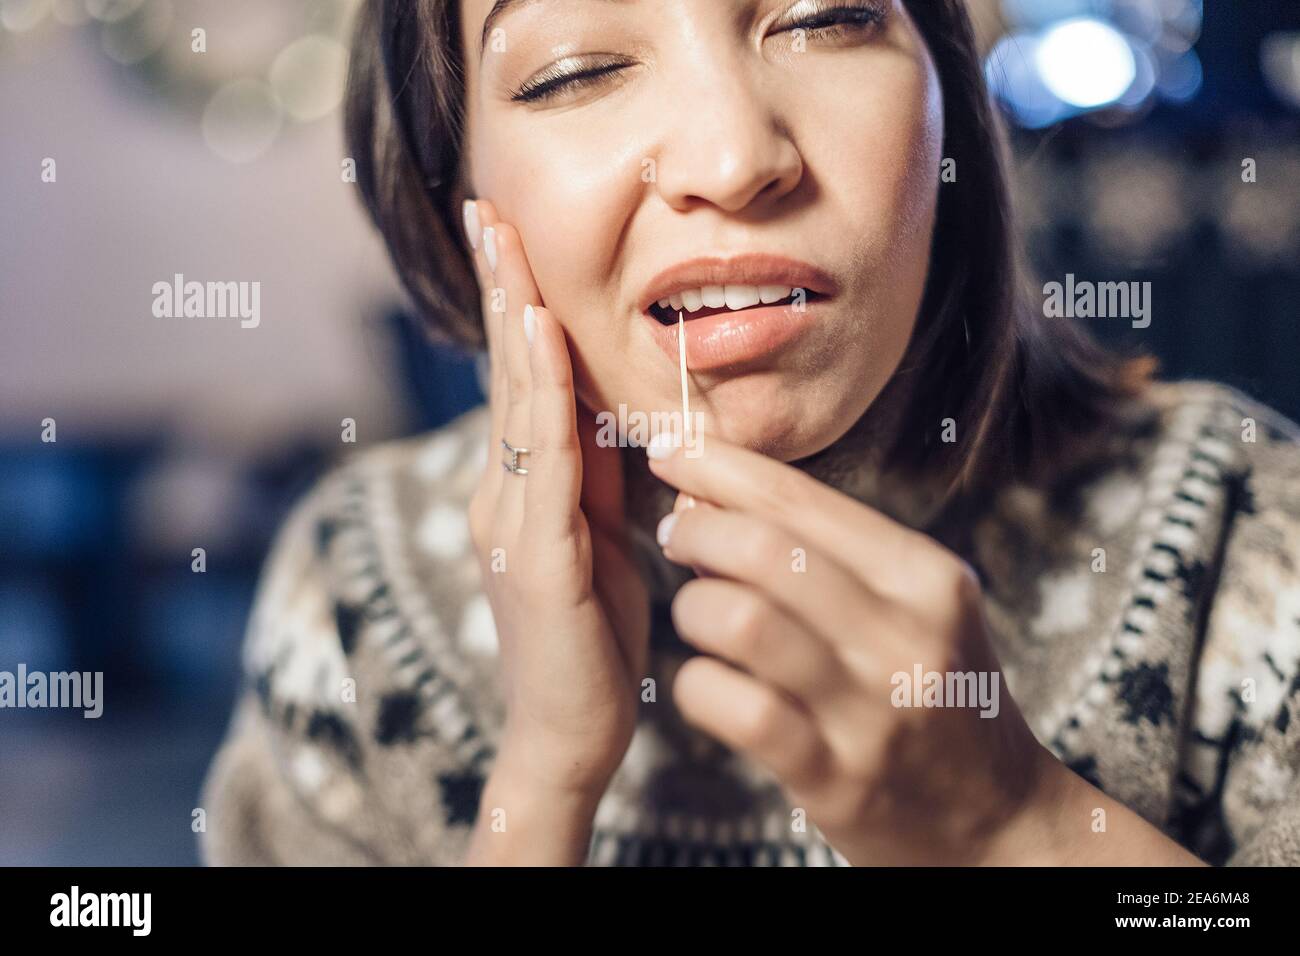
[[128, 156]]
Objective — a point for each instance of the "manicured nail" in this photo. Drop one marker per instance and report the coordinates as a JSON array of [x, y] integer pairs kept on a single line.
[[530, 323], [490, 247], [662, 446], [472, 228], [665, 530]]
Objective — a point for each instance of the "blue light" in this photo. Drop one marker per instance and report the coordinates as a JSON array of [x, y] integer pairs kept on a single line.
[[1181, 79], [1039, 13], [1085, 63], [1012, 76]]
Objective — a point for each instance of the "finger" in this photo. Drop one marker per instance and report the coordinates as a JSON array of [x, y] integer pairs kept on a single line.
[[514, 275], [753, 718], [478, 215], [807, 584], [738, 624], [554, 461], [683, 501], [880, 549]]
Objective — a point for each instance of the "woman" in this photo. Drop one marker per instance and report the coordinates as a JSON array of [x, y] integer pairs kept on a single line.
[[931, 579]]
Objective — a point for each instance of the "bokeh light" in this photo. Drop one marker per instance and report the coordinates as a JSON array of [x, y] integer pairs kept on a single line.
[[1085, 62], [1113, 58], [242, 120]]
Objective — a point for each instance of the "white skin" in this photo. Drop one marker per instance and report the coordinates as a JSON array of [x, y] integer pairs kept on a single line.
[[756, 147]]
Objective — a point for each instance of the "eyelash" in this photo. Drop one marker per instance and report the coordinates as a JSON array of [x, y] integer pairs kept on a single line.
[[831, 23], [544, 89]]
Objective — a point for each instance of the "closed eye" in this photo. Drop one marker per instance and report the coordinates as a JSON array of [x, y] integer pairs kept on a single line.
[[825, 23], [836, 22], [557, 79]]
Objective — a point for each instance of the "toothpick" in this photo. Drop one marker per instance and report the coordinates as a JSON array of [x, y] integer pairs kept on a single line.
[[686, 397]]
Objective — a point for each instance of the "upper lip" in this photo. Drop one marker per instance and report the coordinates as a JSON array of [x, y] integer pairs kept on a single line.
[[747, 269]]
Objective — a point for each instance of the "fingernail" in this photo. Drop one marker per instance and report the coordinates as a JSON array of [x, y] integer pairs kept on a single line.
[[662, 446], [665, 530], [490, 247], [472, 228], [530, 323]]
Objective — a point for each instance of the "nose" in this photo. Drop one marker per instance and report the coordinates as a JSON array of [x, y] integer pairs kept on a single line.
[[725, 143]]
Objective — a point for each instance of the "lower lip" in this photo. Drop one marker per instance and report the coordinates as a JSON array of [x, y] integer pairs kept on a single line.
[[733, 338]]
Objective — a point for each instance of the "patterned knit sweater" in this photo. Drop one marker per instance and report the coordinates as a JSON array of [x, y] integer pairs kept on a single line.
[[1144, 603]]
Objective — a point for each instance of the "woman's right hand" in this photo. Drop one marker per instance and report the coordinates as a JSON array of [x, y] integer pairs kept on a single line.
[[571, 611]]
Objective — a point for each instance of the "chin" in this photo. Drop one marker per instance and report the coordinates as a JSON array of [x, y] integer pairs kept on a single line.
[[781, 415], [782, 442], [772, 426], [785, 415]]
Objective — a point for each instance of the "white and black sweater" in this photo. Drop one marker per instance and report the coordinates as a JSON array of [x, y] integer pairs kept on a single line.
[[1170, 679]]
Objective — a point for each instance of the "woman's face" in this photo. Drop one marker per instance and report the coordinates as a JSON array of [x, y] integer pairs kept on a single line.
[[760, 146]]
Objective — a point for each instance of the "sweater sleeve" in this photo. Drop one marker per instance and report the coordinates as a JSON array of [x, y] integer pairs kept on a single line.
[[318, 766], [264, 796], [1241, 764]]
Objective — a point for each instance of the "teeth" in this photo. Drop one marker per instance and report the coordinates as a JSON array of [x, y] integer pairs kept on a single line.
[[715, 296], [741, 296], [733, 297]]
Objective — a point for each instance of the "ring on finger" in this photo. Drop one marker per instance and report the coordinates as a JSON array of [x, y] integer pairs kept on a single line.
[[512, 465]]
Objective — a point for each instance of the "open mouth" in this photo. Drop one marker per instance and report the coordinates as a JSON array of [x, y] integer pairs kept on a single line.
[[720, 300]]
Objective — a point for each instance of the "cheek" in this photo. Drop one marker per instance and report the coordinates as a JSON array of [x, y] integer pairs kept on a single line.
[[884, 157], [886, 151], [565, 191], [921, 141]]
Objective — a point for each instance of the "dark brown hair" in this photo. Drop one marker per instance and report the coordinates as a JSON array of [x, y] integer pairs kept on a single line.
[[1021, 384]]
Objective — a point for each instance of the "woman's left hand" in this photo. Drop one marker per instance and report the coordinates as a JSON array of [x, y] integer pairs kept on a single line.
[[814, 615]]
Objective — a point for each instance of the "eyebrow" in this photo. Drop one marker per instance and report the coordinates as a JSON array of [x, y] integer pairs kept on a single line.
[[499, 9]]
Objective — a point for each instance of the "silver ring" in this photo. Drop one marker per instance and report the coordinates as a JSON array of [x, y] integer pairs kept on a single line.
[[512, 465]]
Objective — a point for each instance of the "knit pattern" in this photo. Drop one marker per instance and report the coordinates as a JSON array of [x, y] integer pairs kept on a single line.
[[1144, 603]]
